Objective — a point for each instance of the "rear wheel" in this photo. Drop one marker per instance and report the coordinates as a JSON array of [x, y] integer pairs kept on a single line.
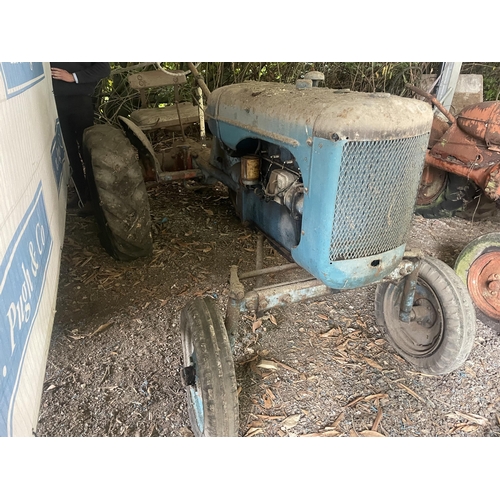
[[443, 195], [118, 193], [440, 334], [208, 371], [480, 207], [478, 266]]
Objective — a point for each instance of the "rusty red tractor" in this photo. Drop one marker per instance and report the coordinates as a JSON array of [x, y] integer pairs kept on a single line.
[[462, 173]]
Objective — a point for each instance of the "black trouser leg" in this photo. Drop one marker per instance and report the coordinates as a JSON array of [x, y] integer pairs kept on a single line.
[[76, 113]]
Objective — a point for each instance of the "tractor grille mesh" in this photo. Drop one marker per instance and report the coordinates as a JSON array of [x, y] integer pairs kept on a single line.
[[377, 189]]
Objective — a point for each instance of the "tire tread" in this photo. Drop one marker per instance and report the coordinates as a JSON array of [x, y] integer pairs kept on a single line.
[[202, 324], [119, 194]]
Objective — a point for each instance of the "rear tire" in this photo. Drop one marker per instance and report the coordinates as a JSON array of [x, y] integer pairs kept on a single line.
[[480, 207], [208, 370], [118, 193], [457, 192], [441, 333]]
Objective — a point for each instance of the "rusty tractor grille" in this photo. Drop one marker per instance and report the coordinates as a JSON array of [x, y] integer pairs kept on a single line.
[[376, 195]]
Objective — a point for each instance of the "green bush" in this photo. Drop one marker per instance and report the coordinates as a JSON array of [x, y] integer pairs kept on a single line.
[[114, 97]]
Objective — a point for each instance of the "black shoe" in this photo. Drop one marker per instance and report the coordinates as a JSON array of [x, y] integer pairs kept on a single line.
[[87, 210]]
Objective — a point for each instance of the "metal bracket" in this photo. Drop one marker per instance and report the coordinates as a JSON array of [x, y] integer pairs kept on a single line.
[[261, 299]]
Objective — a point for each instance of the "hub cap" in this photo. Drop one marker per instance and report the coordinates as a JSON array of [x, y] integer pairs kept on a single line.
[[483, 282]]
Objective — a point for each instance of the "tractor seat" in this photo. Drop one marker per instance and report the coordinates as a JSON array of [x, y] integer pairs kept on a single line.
[[147, 118], [154, 118]]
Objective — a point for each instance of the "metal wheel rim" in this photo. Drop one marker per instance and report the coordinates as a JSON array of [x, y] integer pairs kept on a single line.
[[483, 283], [429, 192], [409, 337]]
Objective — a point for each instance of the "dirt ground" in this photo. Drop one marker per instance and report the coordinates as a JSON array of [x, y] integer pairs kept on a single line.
[[325, 367]]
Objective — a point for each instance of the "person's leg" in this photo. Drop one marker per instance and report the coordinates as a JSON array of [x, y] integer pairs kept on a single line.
[[75, 115], [83, 119]]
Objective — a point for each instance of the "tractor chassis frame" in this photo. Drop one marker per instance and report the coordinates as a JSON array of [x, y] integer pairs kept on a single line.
[[264, 298]]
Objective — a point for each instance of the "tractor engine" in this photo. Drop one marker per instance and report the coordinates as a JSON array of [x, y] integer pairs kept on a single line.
[[330, 176]]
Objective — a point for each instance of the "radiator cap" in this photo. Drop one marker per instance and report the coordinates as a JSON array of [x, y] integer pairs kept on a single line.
[[315, 76]]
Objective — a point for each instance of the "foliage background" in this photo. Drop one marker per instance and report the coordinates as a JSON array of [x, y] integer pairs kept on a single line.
[[114, 97]]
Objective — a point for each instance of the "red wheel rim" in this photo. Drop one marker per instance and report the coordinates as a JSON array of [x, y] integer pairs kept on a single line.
[[483, 282], [432, 184]]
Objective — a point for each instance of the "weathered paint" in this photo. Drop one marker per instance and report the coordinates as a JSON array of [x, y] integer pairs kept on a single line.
[[432, 184], [486, 178], [266, 298], [473, 250], [139, 140], [282, 113], [191, 173], [408, 295], [471, 147], [482, 121], [483, 282], [322, 221], [331, 136], [477, 273]]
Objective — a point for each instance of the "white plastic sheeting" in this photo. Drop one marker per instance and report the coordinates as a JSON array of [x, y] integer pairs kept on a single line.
[[33, 180]]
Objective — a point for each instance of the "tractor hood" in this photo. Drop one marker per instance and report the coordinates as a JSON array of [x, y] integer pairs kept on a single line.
[[292, 115]]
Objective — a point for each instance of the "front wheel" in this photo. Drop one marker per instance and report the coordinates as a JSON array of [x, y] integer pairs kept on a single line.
[[439, 337], [208, 370]]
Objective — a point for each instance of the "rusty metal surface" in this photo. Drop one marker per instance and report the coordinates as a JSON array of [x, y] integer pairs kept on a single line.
[[156, 78], [439, 128], [458, 147], [268, 270], [191, 173], [408, 296], [266, 298], [470, 147], [483, 282], [404, 268], [482, 121], [463, 154], [149, 162], [432, 184], [433, 100], [236, 295], [487, 179]]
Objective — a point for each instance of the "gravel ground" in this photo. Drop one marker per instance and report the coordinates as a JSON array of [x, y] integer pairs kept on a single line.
[[320, 368]]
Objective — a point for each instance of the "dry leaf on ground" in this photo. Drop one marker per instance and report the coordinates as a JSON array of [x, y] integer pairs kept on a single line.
[[371, 434], [290, 421], [266, 364]]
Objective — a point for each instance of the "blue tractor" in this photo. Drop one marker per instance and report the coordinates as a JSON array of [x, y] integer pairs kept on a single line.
[[330, 177]]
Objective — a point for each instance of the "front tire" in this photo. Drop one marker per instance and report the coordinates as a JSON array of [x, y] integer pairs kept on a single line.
[[208, 370], [118, 193], [441, 333]]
